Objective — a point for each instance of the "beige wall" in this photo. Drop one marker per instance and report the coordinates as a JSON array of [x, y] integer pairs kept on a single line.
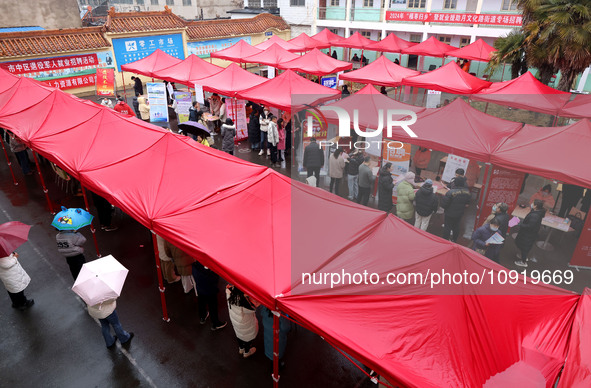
[[49, 14]]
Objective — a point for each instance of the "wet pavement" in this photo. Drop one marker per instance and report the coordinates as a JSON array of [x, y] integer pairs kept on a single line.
[[57, 344]]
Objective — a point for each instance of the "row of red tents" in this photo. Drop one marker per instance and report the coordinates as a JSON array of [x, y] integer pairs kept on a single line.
[[414, 335]]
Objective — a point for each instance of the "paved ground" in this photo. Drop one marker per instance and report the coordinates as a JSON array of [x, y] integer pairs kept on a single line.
[[56, 343]]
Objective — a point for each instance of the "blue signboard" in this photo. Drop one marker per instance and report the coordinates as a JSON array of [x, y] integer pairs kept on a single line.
[[129, 50], [269, 33], [203, 49], [329, 82]]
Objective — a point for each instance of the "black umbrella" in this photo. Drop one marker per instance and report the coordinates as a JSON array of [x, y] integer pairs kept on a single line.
[[194, 128]]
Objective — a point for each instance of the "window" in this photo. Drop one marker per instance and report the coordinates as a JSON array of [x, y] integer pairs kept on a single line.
[[334, 3], [169, 2], [269, 3], [154, 2], [368, 3], [366, 34], [186, 2], [415, 38], [416, 3], [334, 30], [140, 2], [449, 4], [298, 3], [464, 42], [509, 5], [445, 39]]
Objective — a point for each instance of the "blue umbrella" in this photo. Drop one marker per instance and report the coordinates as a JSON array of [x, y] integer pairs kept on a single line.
[[71, 219]]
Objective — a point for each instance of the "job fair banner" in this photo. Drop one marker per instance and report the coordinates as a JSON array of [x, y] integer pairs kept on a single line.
[[205, 48], [105, 82], [236, 110], [157, 100], [504, 186], [183, 104], [129, 50]]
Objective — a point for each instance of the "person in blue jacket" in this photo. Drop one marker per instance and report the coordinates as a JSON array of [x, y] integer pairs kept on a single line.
[[481, 235]]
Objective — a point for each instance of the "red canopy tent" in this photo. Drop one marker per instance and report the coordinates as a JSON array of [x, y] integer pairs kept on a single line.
[[381, 72], [306, 43], [191, 68], [430, 47], [479, 50], [449, 78], [535, 150], [151, 64], [236, 52], [287, 90], [524, 92], [272, 56], [328, 37], [230, 81], [317, 63], [278, 41], [356, 41], [579, 108], [390, 44]]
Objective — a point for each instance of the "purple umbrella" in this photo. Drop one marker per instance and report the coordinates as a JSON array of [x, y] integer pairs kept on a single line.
[[194, 128]]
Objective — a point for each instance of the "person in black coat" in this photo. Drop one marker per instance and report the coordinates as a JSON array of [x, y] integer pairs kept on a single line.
[[385, 186], [455, 203], [254, 130], [426, 203], [571, 195], [136, 105], [206, 282], [137, 86], [313, 160], [528, 231], [481, 235]]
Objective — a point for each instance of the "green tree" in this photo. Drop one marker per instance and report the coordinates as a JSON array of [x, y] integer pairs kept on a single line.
[[510, 49]]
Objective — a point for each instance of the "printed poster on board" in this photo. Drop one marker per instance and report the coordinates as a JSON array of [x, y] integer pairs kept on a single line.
[[157, 101], [236, 110], [453, 163], [398, 154], [105, 82], [183, 103]]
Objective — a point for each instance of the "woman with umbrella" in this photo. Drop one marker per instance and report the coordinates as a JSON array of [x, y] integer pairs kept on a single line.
[[70, 242], [14, 277]]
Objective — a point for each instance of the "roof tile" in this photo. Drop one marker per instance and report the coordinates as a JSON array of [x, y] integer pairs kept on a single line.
[[234, 27], [120, 22]]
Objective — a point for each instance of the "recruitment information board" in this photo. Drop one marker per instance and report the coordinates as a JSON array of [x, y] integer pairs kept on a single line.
[[205, 48], [129, 50]]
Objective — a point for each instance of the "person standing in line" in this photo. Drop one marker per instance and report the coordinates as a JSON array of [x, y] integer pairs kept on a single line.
[[571, 194], [481, 235], [207, 300], [264, 120], [353, 163], [499, 211], [15, 280], [107, 316], [138, 88], [385, 186], [254, 130], [144, 109], [228, 133], [426, 205], [366, 181], [273, 138], [183, 264], [136, 106], [104, 210], [284, 328], [20, 151], [282, 139], [242, 310], [455, 203], [166, 262], [421, 159], [70, 245], [336, 169], [122, 107], [459, 174], [313, 160], [406, 194], [107, 102], [528, 232], [173, 119]]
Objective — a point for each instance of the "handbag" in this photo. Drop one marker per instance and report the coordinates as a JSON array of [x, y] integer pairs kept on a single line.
[[576, 222]]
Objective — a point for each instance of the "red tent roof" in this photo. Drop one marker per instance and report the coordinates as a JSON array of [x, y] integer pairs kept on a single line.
[[329, 37], [382, 71], [230, 80], [191, 68], [287, 89], [579, 108], [306, 43], [356, 41], [272, 56], [278, 41], [317, 63], [236, 52], [535, 150], [461, 130], [149, 65], [391, 44], [524, 92], [430, 47], [476, 51], [449, 78]]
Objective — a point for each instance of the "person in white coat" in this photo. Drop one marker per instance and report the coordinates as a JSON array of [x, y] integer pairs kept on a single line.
[[107, 316], [242, 314], [15, 281]]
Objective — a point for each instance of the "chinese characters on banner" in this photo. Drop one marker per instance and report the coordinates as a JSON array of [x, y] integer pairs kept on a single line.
[[582, 255], [463, 18], [205, 48], [157, 100], [129, 50], [50, 64], [236, 110], [453, 163], [105, 82], [183, 104], [504, 186], [72, 82], [398, 154]]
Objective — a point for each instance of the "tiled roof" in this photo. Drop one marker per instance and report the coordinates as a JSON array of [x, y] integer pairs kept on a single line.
[[234, 27], [17, 44], [119, 22]]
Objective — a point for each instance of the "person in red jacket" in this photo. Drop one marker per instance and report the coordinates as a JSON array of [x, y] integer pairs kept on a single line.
[[122, 107], [421, 159]]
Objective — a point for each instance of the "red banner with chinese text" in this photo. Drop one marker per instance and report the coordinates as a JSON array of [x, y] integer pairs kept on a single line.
[[463, 18], [504, 186], [50, 64], [72, 82], [105, 82]]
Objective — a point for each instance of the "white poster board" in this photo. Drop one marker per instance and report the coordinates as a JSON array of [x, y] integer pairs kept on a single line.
[[433, 99], [199, 94], [157, 100], [453, 163], [270, 72]]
